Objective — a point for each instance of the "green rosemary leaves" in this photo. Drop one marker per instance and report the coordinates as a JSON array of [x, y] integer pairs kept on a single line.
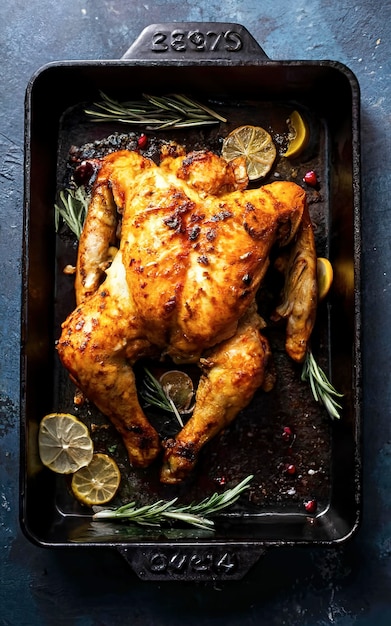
[[155, 112]]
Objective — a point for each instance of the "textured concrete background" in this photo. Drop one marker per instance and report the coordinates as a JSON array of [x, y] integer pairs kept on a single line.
[[343, 586]]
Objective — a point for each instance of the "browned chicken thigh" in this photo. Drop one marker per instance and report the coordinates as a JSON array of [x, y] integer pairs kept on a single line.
[[194, 248]]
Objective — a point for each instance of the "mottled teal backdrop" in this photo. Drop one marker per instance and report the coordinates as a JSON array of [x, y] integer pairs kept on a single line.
[[343, 586]]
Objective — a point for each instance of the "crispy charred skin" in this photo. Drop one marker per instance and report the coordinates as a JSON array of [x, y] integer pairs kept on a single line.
[[194, 248]]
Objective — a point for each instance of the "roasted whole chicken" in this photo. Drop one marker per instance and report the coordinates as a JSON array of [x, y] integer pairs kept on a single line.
[[169, 264]]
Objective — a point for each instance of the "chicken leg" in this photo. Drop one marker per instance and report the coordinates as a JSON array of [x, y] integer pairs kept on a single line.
[[232, 372], [99, 343]]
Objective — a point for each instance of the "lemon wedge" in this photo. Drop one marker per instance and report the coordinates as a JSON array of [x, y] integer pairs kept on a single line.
[[64, 443], [325, 276], [298, 135], [98, 482], [255, 144]]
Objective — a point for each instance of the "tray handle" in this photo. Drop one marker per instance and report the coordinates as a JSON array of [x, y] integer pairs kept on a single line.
[[191, 563], [200, 41]]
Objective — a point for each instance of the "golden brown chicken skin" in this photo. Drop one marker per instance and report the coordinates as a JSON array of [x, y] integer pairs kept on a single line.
[[194, 247]]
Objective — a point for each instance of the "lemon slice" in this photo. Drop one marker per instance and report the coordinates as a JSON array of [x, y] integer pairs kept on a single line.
[[97, 483], [64, 443], [179, 387], [298, 135], [325, 276], [255, 144]]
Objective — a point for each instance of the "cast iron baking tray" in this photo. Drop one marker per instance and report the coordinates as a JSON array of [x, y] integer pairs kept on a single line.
[[223, 66]]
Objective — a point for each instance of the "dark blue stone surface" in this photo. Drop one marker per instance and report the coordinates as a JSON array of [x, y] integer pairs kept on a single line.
[[346, 585]]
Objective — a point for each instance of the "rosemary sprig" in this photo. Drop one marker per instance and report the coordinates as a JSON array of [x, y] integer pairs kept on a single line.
[[322, 389], [154, 394], [155, 112], [194, 514], [73, 209]]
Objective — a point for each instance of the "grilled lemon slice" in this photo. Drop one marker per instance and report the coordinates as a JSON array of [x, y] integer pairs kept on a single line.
[[97, 483], [255, 144], [64, 443]]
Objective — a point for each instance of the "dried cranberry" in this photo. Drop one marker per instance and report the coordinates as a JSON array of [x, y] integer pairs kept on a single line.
[[310, 506], [310, 178], [287, 433], [84, 172], [142, 141]]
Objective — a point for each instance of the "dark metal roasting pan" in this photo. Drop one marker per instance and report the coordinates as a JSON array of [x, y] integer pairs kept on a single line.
[[222, 65]]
